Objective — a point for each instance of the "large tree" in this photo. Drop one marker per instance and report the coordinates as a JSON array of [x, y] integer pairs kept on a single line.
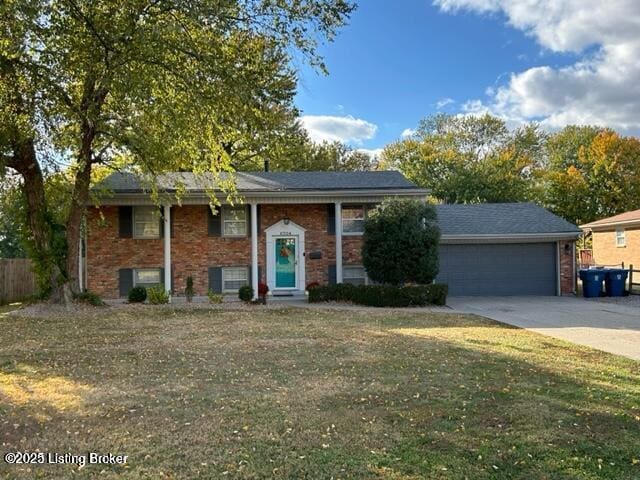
[[153, 85], [467, 159], [591, 173]]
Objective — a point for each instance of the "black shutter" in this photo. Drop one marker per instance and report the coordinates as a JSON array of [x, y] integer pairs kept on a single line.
[[258, 216], [331, 218], [125, 281], [248, 210], [332, 275], [161, 220], [162, 278], [215, 222], [125, 222], [249, 281], [215, 279]]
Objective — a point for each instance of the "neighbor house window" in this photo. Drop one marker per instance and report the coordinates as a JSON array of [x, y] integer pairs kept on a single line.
[[353, 219], [234, 221], [146, 277], [355, 275], [234, 277], [146, 222], [620, 238]]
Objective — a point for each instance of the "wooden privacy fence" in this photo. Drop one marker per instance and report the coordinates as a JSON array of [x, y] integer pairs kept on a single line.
[[17, 280], [634, 276]]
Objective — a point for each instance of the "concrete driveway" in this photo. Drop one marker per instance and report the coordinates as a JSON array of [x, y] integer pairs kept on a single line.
[[606, 326]]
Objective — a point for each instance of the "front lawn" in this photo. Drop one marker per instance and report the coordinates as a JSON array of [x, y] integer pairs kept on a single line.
[[313, 394]]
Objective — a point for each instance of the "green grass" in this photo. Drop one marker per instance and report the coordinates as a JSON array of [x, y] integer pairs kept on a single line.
[[313, 394]]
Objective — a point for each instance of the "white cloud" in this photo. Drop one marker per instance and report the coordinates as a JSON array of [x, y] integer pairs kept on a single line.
[[601, 88], [338, 128], [443, 102], [374, 152], [407, 132]]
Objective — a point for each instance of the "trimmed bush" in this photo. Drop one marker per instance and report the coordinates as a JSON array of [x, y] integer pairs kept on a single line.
[[188, 291], [245, 293], [400, 242], [158, 295], [215, 298], [89, 298], [381, 295], [137, 294]]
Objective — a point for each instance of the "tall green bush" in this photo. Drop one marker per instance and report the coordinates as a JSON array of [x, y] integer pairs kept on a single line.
[[400, 242]]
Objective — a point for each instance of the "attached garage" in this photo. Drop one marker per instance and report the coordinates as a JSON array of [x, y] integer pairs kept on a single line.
[[505, 249]]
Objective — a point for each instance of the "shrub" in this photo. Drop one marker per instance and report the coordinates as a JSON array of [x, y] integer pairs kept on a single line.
[[382, 295], [245, 293], [311, 285], [158, 295], [188, 291], [89, 298], [215, 298], [137, 294], [400, 242]]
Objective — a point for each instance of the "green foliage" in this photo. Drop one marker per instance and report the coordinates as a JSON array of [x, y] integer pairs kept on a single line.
[[158, 295], [381, 295], [469, 159], [400, 242], [90, 298], [325, 156], [245, 293], [592, 173], [215, 298], [137, 294], [188, 291]]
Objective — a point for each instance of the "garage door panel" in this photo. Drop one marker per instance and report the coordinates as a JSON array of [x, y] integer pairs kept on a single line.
[[499, 269]]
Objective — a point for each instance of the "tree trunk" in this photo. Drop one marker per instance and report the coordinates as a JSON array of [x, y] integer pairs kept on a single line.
[[25, 162]]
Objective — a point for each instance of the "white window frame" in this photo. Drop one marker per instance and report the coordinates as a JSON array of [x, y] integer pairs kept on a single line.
[[156, 219], [225, 212], [147, 284], [346, 268], [621, 235], [225, 270], [364, 218]]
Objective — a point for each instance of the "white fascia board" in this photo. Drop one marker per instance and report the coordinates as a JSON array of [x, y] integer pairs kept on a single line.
[[611, 225]]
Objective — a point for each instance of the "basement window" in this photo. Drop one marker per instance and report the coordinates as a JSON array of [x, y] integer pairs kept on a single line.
[[355, 275], [146, 277], [234, 277]]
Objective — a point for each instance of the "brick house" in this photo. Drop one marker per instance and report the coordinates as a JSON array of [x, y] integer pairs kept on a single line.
[[616, 240], [295, 228]]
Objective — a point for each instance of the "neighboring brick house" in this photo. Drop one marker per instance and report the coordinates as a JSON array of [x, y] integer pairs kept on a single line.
[[616, 240], [292, 229]]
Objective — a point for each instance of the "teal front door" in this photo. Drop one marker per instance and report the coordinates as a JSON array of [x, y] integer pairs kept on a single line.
[[285, 256]]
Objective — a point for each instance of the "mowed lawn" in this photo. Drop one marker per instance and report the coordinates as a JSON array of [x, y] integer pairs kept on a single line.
[[315, 394]]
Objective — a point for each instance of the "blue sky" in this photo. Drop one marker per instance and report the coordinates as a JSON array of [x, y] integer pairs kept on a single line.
[[399, 61]]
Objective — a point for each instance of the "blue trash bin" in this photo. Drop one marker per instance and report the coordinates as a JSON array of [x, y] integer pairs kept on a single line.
[[592, 282], [614, 281]]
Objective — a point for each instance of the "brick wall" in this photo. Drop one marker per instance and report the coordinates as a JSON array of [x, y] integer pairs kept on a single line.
[[606, 252], [193, 251], [567, 268]]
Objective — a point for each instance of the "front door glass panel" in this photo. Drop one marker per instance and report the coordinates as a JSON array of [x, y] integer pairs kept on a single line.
[[285, 262]]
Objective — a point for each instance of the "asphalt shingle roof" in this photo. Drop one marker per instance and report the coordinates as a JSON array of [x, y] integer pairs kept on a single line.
[[500, 219], [123, 182], [632, 216]]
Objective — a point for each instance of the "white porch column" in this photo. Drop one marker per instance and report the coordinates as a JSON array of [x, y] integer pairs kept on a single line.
[[80, 265], [338, 242], [254, 249], [167, 248]]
